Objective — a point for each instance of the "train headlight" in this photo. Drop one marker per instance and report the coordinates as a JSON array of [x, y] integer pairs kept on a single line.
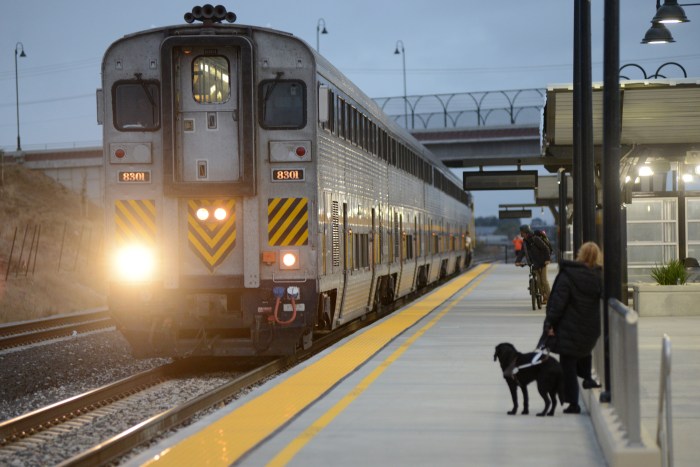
[[289, 259], [135, 263], [202, 214], [220, 214]]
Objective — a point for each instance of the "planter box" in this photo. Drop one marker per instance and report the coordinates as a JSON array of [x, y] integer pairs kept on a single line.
[[666, 300]]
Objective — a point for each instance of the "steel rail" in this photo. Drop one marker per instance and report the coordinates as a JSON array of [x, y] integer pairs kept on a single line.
[[29, 332]]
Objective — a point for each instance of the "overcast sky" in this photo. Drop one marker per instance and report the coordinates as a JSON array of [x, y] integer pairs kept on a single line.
[[450, 46]]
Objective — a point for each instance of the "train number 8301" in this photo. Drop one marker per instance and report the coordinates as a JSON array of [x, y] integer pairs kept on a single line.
[[135, 176], [287, 175]]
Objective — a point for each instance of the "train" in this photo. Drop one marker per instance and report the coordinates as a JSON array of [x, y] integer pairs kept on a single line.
[[255, 198]]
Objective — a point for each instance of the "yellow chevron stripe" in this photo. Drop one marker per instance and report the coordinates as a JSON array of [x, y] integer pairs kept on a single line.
[[194, 241], [211, 240], [206, 236]]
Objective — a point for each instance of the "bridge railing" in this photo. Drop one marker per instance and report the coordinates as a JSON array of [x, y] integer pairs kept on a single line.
[[466, 109]]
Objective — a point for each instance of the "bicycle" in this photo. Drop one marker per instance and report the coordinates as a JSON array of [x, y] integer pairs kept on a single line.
[[534, 288]]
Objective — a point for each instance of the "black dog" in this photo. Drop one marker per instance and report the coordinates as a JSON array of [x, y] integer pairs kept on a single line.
[[519, 370]]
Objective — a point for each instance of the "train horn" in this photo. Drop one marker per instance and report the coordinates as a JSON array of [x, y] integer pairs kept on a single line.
[[207, 11], [219, 12], [209, 14]]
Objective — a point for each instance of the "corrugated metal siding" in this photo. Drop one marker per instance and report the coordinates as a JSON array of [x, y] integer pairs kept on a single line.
[[654, 116], [564, 122], [659, 113]]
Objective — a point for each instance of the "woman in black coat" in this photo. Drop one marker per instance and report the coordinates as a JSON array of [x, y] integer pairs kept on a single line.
[[573, 316]]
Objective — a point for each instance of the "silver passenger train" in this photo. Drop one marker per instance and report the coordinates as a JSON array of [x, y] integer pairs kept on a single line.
[[255, 197]]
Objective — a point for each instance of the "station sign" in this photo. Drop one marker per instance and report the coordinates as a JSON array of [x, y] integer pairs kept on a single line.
[[500, 180], [515, 214]]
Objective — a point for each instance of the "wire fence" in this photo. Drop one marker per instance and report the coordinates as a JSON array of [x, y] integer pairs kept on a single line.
[[466, 109], [27, 250]]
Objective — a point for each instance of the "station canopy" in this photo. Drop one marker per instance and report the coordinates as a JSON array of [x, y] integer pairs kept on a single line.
[[660, 120]]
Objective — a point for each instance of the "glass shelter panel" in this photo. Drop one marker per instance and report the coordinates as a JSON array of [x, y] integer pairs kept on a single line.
[[692, 217], [652, 235]]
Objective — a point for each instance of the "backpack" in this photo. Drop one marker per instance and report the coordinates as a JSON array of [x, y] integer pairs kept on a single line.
[[543, 235]]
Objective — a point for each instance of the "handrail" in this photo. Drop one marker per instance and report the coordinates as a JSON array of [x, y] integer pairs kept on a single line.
[[664, 433], [624, 364]]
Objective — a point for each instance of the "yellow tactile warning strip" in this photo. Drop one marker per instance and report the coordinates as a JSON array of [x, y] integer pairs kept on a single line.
[[288, 453], [227, 439], [135, 220]]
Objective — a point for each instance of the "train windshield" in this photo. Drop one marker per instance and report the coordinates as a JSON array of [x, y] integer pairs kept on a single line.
[[136, 106], [211, 82], [283, 104]]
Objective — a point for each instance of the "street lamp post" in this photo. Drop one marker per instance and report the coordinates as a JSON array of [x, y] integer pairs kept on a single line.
[[612, 214], [19, 46], [319, 31], [405, 100]]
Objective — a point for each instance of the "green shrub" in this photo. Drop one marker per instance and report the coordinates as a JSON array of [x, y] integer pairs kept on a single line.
[[672, 273]]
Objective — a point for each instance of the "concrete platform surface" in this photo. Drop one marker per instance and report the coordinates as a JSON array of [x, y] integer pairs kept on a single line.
[[433, 395]]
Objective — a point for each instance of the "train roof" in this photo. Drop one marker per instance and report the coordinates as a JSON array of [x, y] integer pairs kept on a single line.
[[324, 66]]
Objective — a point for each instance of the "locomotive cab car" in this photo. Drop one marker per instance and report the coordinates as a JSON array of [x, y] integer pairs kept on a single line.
[[255, 197]]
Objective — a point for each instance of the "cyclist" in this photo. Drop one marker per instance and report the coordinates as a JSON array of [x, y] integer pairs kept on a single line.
[[537, 253]]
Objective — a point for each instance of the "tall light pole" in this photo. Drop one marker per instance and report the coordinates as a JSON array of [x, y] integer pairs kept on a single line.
[[19, 46], [319, 31], [405, 100]]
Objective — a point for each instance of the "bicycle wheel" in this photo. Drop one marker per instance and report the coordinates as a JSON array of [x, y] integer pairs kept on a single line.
[[537, 293], [533, 291]]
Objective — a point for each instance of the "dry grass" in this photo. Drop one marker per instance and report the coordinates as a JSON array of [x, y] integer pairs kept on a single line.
[[56, 264]]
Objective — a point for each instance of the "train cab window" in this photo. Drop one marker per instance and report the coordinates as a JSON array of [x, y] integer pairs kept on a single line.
[[282, 104], [211, 83], [136, 105]]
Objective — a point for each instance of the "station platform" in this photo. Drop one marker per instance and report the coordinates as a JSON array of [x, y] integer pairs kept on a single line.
[[421, 387]]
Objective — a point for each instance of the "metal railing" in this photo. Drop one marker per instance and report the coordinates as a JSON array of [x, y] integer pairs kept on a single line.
[[624, 369], [466, 109], [664, 430]]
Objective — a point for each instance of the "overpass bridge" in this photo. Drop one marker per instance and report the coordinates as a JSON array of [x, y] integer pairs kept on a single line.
[[473, 129]]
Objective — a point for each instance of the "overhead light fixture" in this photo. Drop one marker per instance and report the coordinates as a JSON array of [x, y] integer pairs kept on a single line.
[[670, 12], [687, 178], [645, 171], [697, 169], [657, 34]]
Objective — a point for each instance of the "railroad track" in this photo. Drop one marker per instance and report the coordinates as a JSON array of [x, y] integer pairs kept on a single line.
[[64, 416], [252, 372], [30, 332]]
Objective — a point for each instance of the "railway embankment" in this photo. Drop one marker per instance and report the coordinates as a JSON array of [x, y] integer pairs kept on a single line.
[[51, 247]]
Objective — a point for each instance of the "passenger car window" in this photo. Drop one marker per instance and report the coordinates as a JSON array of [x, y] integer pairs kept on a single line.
[[136, 105], [282, 104], [211, 83]]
